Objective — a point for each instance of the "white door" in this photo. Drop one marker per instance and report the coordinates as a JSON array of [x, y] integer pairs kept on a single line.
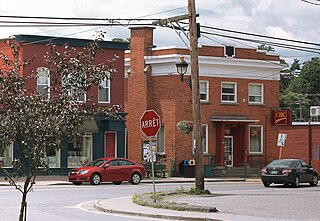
[[228, 151]]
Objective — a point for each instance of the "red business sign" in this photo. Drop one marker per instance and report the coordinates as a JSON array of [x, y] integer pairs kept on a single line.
[[150, 123], [281, 117]]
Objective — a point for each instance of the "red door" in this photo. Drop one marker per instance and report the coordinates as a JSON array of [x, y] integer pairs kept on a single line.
[[110, 144]]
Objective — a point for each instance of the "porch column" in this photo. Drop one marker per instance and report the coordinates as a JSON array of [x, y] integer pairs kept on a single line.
[[220, 145], [246, 144]]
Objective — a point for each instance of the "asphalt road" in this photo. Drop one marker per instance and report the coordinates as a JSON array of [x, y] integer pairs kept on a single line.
[[74, 203]]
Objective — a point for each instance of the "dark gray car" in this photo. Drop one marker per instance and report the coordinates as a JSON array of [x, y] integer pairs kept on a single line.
[[289, 172]]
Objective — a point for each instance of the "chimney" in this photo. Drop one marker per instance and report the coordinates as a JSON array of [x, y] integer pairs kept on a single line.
[[139, 87]]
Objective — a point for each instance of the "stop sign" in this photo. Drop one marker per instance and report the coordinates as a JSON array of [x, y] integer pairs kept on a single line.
[[150, 123]]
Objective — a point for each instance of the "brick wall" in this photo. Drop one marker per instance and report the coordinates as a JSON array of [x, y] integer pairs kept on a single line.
[[171, 99]]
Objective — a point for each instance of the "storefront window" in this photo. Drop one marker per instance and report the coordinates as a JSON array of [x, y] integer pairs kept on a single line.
[[52, 158], [80, 151], [6, 156], [256, 139]]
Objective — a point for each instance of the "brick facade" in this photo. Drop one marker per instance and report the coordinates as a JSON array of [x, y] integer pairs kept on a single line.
[[153, 83]]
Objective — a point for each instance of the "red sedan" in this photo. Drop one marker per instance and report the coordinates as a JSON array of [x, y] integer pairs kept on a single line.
[[114, 170]]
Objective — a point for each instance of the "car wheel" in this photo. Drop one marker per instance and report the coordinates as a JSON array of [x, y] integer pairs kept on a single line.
[[117, 182], [296, 182], [266, 184], [135, 179], [77, 183], [314, 180], [95, 179]]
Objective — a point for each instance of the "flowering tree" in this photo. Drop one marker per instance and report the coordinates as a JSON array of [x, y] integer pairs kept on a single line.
[[36, 123]]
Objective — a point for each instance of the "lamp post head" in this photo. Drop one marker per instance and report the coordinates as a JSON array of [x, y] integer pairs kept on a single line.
[[182, 67]]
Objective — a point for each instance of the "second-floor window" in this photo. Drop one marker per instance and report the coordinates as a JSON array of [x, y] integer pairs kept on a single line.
[[256, 93], [43, 81], [228, 92], [73, 88], [204, 91], [104, 91]]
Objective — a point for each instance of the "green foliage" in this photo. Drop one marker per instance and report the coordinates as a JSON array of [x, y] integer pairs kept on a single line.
[[197, 191], [185, 126], [127, 40], [302, 90], [265, 47]]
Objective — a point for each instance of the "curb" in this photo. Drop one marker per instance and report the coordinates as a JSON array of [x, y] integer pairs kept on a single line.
[[101, 208]]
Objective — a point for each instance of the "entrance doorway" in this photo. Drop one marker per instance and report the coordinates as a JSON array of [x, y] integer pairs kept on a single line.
[[228, 151], [110, 144]]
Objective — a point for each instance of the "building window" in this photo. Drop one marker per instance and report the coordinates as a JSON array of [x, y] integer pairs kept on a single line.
[[72, 88], [161, 139], [229, 51], [6, 156], [80, 151], [256, 139], [104, 91], [204, 91], [52, 158], [43, 81], [228, 92], [204, 139], [256, 93]]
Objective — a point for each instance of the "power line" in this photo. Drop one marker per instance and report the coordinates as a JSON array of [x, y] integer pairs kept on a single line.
[[259, 35], [74, 18], [313, 3], [300, 48]]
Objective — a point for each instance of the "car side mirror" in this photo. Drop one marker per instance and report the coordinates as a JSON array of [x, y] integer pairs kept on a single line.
[[106, 166]]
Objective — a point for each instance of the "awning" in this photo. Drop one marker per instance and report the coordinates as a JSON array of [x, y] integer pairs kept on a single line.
[[233, 119], [89, 126]]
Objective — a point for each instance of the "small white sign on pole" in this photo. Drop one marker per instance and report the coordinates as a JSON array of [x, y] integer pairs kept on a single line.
[[281, 140]]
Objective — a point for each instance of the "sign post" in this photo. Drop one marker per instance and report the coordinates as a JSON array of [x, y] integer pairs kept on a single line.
[[281, 143], [150, 125]]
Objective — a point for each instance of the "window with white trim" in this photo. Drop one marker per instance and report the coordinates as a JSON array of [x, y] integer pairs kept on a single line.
[[204, 139], [52, 158], [204, 91], [72, 88], [255, 93], [255, 139], [161, 140], [228, 92], [6, 156], [43, 81], [104, 91]]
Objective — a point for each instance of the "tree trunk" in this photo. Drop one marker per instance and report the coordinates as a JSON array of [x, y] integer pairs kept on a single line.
[[23, 207]]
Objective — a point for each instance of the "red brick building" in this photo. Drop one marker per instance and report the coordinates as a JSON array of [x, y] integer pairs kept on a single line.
[[239, 88], [303, 141], [103, 137]]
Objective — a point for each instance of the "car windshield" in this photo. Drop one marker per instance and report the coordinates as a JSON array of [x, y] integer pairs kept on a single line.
[[96, 163], [284, 163]]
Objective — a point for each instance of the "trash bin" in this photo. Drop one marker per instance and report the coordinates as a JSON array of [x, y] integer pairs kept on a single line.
[[186, 170], [207, 171]]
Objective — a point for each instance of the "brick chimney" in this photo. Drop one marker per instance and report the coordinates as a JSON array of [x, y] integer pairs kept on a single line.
[[139, 87]]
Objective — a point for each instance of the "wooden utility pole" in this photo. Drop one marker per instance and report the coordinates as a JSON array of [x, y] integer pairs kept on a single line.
[[197, 128]]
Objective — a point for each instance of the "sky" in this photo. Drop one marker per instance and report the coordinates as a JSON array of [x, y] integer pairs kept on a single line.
[[289, 19]]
